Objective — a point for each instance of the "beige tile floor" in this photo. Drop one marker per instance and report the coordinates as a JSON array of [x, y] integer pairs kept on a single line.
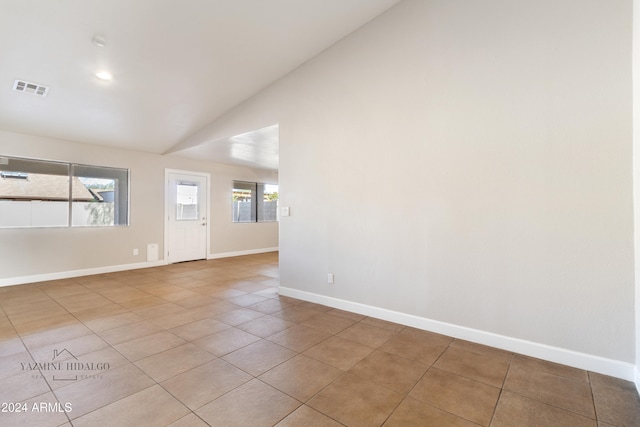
[[212, 343]]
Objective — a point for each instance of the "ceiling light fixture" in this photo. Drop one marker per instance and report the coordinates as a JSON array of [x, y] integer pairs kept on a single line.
[[104, 75]]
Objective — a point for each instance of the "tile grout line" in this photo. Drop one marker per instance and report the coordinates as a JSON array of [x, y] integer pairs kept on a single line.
[[593, 398], [502, 389]]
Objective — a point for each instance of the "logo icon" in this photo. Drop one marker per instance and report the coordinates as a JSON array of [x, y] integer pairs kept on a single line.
[[58, 355]]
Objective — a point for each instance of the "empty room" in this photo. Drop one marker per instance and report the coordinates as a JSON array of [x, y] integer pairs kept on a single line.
[[319, 213]]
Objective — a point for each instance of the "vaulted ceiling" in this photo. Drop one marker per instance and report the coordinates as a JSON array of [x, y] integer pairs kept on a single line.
[[175, 65]]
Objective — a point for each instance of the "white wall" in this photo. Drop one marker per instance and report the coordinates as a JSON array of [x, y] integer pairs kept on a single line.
[[474, 163], [43, 251]]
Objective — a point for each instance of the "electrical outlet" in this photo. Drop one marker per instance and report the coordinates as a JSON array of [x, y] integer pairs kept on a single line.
[[330, 278], [135, 252]]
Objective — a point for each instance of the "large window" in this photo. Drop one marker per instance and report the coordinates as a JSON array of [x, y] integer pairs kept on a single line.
[[38, 193], [254, 202]]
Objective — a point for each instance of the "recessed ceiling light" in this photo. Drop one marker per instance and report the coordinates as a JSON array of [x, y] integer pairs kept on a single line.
[[104, 75]]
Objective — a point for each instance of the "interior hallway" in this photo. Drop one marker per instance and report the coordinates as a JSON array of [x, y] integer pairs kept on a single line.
[[212, 343]]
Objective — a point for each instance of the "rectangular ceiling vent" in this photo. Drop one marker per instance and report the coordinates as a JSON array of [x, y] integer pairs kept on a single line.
[[27, 87]]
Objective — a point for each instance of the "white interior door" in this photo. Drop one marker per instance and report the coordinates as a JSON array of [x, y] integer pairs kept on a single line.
[[187, 216]]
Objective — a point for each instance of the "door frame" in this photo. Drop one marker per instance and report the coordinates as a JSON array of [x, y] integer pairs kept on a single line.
[[167, 188]]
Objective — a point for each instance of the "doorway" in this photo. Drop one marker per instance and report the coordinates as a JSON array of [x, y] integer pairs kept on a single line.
[[186, 216]]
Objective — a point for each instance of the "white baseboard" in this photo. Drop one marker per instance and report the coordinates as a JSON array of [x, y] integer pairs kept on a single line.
[[113, 268], [601, 365], [240, 253], [77, 273], [637, 379]]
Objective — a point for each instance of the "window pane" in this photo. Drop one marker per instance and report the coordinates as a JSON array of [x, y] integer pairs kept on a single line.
[[38, 193], [267, 202], [244, 194], [100, 196], [254, 202], [187, 201], [33, 193]]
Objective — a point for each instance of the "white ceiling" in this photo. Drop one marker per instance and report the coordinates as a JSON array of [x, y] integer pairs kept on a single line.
[[176, 65], [258, 148]]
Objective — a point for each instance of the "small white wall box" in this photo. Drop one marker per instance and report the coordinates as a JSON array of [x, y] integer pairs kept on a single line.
[[152, 252]]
